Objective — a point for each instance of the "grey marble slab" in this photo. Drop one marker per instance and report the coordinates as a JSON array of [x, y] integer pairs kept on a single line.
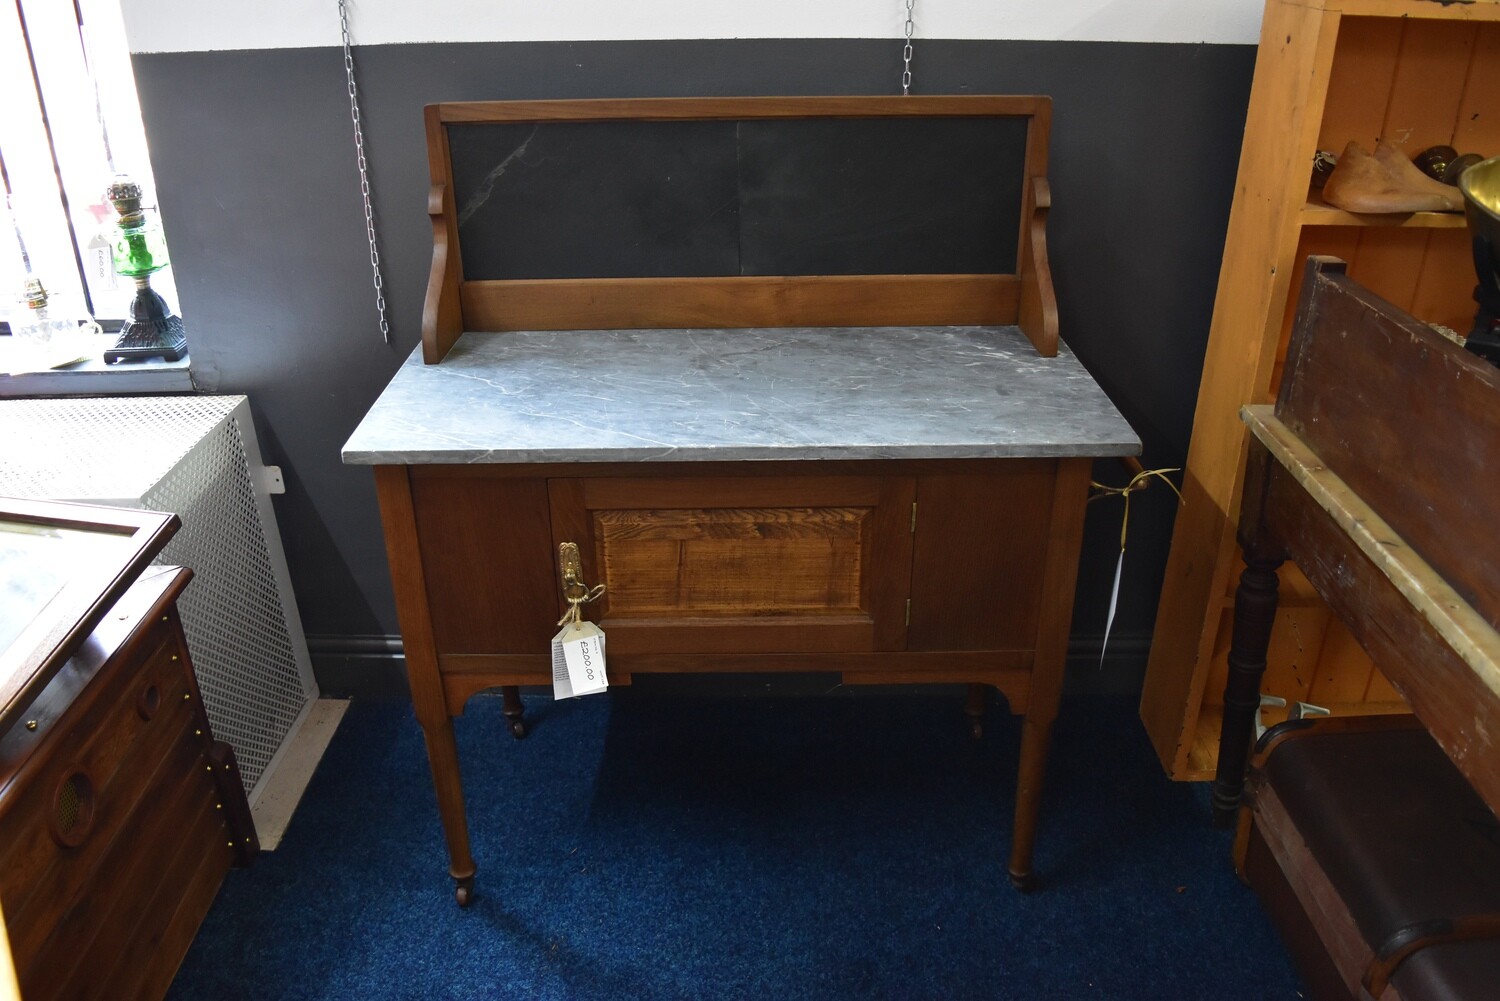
[[777, 393]]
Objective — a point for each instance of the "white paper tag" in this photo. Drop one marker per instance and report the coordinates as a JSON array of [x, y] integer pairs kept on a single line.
[[578, 661]]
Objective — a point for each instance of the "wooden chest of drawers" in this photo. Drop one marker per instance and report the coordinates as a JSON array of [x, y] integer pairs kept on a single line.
[[119, 813]]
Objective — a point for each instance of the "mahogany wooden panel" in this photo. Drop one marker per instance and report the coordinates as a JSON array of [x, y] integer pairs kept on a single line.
[[44, 876], [991, 548], [751, 301], [488, 562], [91, 882]]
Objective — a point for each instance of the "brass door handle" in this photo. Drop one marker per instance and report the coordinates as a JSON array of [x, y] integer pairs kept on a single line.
[[570, 564]]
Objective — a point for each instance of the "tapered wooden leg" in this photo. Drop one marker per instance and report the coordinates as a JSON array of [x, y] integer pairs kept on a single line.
[[442, 755], [1036, 738], [1254, 613], [1059, 576], [514, 711], [974, 709]]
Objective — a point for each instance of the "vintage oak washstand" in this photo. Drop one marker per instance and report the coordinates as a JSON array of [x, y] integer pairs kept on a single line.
[[786, 370]]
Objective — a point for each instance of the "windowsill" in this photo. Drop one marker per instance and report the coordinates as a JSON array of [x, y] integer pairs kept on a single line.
[[90, 377]]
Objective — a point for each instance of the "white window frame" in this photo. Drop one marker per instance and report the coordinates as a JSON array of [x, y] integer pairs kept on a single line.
[[67, 66]]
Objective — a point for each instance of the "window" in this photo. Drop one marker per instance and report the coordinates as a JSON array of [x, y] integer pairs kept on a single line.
[[70, 122]]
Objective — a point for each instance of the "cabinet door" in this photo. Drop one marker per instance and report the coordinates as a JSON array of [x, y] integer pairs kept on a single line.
[[743, 564]]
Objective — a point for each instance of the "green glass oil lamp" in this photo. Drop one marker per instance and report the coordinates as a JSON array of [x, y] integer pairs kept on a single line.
[[139, 250]]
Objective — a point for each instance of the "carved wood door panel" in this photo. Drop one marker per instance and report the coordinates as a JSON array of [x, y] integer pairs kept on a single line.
[[743, 564]]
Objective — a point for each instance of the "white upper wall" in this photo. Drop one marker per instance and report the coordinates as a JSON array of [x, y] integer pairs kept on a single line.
[[202, 25]]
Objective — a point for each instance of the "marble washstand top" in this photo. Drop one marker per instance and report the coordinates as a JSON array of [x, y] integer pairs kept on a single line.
[[786, 393]]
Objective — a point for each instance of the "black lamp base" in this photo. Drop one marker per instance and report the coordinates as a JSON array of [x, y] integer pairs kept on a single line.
[[153, 332], [1485, 340]]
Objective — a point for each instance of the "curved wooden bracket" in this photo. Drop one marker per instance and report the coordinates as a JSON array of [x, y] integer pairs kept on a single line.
[[442, 320], [1038, 312]]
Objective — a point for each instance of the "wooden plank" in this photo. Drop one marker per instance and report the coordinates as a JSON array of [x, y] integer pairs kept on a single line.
[[1319, 213], [1359, 83], [99, 924], [1341, 243], [1390, 260], [737, 301], [1477, 129], [170, 946], [118, 751], [1451, 10], [1444, 292], [158, 762], [679, 108], [1286, 107], [1443, 659], [1343, 671], [1291, 660], [1446, 280], [1428, 84], [1380, 689], [1360, 395]]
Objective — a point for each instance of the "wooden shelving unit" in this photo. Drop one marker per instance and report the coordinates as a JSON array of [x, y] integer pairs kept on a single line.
[[1418, 72]]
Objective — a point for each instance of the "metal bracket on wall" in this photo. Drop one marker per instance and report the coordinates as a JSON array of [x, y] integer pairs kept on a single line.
[[268, 479]]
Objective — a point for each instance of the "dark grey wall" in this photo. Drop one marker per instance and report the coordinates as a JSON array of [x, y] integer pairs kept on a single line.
[[253, 152]]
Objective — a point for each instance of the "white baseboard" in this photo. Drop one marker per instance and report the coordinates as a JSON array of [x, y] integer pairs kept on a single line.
[[299, 756]]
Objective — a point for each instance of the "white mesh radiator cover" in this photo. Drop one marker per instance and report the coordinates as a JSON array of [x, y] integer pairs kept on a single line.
[[197, 457]]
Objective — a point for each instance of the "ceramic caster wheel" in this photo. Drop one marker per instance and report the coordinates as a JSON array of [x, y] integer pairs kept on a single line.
[[464, 893], [976, 729], [517, 728]]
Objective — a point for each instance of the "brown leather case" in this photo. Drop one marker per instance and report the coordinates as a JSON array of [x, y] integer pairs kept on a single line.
[[1386, 847]]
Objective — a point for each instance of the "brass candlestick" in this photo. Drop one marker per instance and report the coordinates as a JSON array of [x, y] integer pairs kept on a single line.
[[1480, 185]]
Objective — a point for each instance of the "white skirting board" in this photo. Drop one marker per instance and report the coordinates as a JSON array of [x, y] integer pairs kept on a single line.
[[290, 771]]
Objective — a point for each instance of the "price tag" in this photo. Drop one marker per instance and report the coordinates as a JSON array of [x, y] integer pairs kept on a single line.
[[578, 660]]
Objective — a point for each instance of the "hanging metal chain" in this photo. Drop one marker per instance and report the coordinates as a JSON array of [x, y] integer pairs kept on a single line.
[[364, 173], [906, 52]]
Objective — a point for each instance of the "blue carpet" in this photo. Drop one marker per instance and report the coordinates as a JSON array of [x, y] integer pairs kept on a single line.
[[649, 846]]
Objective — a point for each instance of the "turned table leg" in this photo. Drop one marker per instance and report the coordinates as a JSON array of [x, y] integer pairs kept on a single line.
[[514, 711], [1254, 613]]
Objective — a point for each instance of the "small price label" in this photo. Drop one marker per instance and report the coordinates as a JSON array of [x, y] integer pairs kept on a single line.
[[578, 661]]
